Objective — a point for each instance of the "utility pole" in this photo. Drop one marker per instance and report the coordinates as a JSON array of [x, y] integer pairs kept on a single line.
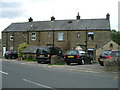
[[86, 39], [53, 36], [86, 42]]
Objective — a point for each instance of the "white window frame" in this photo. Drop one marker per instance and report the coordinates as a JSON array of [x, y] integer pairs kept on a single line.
[[78, 34], [11, 37], [91, 35], [49, 34], [33, 37], [11, 48], [60, 36]]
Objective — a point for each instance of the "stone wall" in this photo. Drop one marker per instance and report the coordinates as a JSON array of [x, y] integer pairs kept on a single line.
[[45, 38]]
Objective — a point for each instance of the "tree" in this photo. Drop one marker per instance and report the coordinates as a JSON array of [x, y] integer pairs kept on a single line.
[[20, 48], [115, 36]]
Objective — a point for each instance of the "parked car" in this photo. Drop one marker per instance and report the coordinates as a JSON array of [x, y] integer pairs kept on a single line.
[[107, 54], [11, 54], [43, 54], [77, 56]]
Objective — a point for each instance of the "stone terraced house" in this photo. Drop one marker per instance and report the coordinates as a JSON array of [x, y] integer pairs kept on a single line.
[[66, 34]]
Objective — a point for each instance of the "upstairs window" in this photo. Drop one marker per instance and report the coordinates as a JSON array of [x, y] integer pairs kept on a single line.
[[11, 37], [49, 35], [33, 37], [90, 35], [78, 34], [60, 36]]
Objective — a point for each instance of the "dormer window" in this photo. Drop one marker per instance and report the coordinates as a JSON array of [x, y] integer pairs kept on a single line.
[[11, 37], [33, 36]]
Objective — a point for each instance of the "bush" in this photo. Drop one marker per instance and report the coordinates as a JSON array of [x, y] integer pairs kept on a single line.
[[112, 64], [20, 48]]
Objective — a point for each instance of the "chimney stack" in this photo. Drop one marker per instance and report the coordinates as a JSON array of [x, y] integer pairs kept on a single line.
[[108, 16], [30, 19], [78, 16], [52, 18]]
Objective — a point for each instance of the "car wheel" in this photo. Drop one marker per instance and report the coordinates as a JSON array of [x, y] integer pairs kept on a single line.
[[39, 61], [101, 63], [82, 62], [68, 63], [12, 57], [91, 61], [6, 57]]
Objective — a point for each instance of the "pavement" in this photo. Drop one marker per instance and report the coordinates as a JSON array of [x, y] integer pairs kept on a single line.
[[92, 68]]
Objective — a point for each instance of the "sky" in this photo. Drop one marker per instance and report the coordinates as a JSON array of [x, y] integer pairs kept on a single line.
[[12, 11]]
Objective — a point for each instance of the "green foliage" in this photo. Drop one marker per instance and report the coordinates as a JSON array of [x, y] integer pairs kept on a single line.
[[20, 48], [115, 36]]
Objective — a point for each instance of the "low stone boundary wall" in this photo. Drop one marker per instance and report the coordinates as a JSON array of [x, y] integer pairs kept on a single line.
[[112, 64], [57, 59]]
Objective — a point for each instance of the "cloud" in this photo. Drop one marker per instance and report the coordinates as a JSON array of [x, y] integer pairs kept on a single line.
[[10, 4], [11, 9], [13, 13]]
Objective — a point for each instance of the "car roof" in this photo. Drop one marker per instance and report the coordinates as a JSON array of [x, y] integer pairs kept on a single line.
[[81, 51], [47, 47]]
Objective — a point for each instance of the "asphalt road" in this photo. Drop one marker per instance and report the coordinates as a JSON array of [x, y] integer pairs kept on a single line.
[[20, 75]]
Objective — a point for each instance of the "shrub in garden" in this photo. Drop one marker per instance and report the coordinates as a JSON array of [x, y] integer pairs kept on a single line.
[[20, 48]]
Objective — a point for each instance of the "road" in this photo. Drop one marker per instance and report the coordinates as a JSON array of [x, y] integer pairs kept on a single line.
[[19, 75]]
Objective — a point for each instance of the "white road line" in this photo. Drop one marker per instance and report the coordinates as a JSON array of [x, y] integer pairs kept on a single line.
[[39, 84], [3, 72]]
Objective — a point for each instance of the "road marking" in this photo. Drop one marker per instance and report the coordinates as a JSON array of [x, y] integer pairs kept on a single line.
[[39, 84], [3, 72]]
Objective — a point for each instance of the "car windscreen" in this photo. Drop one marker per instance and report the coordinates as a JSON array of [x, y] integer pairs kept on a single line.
[[72, 52], [43, 50], [104, 53], [115, 53]]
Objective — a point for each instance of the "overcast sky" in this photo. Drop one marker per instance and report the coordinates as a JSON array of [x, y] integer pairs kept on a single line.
[[40, 10]]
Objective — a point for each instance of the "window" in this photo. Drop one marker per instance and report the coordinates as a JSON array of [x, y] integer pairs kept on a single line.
[[49, 35], [33, 36], [90, 35], [11, 48], [11, 37], [60, 36], [78, 34]]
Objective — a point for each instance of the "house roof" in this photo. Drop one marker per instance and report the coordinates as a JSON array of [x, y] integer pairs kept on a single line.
[[91, 24]]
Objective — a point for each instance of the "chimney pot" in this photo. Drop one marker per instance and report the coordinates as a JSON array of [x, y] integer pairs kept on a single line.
[[52, 18], [30, 19], [108, 16], [78, 16]]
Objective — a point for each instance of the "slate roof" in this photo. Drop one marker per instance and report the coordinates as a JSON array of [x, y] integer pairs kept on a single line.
[[91, 24]]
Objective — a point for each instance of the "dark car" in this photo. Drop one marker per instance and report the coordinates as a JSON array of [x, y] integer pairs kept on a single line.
[[107, 54], [77, 56], [43, 54], [11, 54]]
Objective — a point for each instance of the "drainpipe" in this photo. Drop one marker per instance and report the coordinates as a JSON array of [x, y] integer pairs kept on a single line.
[[86, 40], [27, 37], [13, 40], [6, 40]]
